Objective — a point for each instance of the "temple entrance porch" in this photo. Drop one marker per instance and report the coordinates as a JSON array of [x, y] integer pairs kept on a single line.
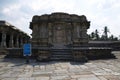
[[59, 39]]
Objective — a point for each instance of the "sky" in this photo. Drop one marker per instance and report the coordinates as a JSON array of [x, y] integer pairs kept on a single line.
[[100, 13]]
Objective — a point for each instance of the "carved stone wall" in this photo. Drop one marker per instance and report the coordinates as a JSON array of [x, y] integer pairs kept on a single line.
[[60, 29]]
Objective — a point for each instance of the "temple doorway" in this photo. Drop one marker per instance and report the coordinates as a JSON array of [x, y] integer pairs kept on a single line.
[[59, 37]]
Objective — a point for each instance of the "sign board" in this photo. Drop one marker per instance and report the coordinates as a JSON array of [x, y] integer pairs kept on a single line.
[[27, 50]]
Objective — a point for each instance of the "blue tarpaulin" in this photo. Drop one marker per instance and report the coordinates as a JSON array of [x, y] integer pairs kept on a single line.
[[27, 50]]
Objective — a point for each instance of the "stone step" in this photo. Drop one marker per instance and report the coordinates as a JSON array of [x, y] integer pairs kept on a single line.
[[65, 59], [61, 54], [60, 50], [61, 58]]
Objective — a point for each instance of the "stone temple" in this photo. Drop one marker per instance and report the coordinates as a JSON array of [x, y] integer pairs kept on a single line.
[[59, 30], [63, 36], [55, 36], [12, 39]]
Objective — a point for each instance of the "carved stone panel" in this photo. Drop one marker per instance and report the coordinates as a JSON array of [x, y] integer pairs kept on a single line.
[[59, 35]]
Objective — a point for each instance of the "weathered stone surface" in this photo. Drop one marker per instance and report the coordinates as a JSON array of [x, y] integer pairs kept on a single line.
[[88, 77], [8, 79], [16, 69], [42, 78], [53, 33], [57, 29]]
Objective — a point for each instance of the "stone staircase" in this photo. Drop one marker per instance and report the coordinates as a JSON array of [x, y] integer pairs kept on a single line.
[[61, 54]]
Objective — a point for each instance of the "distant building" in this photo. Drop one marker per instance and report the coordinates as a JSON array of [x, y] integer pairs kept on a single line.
[[11, 36]]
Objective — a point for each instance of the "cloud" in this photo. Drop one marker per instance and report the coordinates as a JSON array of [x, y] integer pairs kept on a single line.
[[100, 12], [10, 9]]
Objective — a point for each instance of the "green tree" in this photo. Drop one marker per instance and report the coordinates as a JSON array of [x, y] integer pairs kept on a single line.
[[111, 38], [105, 33], [97, 37], [92, 36]]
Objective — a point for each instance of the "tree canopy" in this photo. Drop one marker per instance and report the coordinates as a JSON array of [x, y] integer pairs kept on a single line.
[[95, 35]]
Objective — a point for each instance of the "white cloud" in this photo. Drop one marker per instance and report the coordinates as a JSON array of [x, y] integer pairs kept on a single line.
[[100, 12], [10, 9]]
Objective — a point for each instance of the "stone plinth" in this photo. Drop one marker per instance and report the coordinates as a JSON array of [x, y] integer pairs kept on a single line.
[[63, 36]]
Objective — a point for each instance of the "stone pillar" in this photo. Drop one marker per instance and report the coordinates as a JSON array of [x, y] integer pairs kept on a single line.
[[17, 41], [3, 43], [21, 42], [25, 40], [0, 39], [11, 43], [78, 31]]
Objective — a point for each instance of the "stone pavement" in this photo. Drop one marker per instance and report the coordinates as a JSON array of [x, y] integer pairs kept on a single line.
[[16, 69]]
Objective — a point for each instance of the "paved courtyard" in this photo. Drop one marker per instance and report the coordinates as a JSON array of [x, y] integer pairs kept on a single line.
[[16, 69]]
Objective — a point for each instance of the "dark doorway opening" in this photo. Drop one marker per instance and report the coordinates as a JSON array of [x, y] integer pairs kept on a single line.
[[0, 38], [7, 40]]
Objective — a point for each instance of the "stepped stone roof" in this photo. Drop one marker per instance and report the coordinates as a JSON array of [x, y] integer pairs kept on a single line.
[[6, 24], [59, 17]]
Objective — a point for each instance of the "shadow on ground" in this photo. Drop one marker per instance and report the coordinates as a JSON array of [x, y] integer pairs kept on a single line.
[[33, 62]]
